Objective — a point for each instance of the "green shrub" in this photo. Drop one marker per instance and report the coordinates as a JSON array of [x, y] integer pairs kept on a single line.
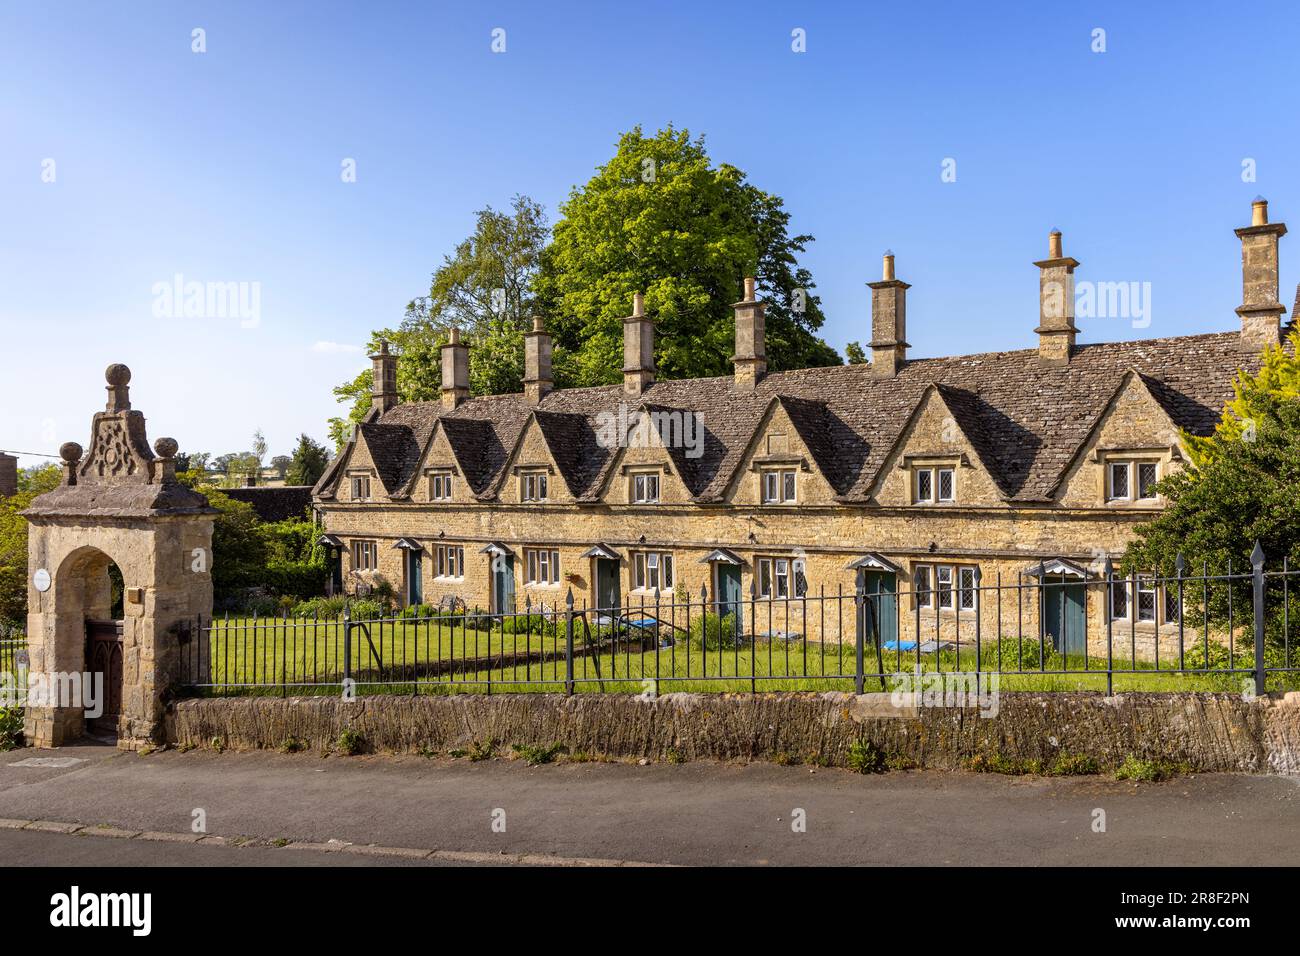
[[367, 610], [896, 761], [865, 757], [533, 756], [482, 751], [1017, 654], [711, 632], [324, 607], [296, 579], [419, 610], [529, 624], [1152, 770], [11, 727], [350, 742], [1073, 765], [996, 763]]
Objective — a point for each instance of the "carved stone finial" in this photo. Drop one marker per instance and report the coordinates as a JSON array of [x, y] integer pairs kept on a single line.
[[70, 452], [166, 447], [118, 377]]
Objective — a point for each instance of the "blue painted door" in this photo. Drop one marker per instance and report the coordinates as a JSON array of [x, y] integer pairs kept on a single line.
[[503, 584], [414, 578], [1063, 615], [880, 606], [728, 596]]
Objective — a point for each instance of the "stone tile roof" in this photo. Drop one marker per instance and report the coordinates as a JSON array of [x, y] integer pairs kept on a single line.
[[1026, 421], [395, 448]]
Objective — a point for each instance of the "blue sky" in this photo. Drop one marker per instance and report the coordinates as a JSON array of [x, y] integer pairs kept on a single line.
[[225, 167]]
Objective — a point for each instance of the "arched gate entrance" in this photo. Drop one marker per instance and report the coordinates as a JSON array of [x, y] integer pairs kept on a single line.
[[119, 505]]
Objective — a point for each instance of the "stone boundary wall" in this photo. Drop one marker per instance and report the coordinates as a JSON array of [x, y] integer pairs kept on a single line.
[[1206, 732]]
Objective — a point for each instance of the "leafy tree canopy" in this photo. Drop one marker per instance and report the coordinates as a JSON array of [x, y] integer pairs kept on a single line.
[[658, 218], [13, 541], [661, 219], [484, 288], [307, 463], [1243, 484]]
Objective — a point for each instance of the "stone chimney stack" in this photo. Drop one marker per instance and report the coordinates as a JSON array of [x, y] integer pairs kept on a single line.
[[537, 362], [1056, 329], [1260, 310], [8, 475], [888, 321], [383, 387], [751, 349], [638, 350], [455, 371]]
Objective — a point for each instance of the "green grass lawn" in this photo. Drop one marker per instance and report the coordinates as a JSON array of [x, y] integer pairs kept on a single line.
[[431, 657]]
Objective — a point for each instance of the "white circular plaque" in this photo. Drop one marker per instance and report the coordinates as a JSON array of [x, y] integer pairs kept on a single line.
[[41, 579]]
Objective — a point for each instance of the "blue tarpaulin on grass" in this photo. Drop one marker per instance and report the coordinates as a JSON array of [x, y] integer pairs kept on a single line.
[[898, 645]]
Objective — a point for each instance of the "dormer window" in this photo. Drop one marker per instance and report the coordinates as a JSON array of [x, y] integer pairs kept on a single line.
[[440, 487], [360, 487], [778, 487], [1128, 480], [532, 487], [645, 489], [934, 485]]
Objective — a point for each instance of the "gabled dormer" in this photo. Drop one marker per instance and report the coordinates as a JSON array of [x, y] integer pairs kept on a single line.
[[1132, 445], [359, 480], [439, 478], [532, 473], [939, 459], [644, 472], [784, 463]]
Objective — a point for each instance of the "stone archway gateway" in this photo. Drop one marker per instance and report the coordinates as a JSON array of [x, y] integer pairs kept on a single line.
[[119, 504]]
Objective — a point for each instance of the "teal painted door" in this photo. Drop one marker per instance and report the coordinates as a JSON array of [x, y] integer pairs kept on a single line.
[[728, 594], [607, 592], [503, 584], [414, 578], [880, 606], [1064, 621]]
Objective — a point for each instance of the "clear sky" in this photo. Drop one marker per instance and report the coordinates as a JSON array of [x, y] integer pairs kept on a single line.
[[225, 166]]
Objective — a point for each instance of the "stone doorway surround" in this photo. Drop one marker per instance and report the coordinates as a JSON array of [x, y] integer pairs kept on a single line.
[[119, 503]]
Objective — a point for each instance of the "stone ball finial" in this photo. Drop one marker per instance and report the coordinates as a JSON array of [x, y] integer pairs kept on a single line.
[[166, 447], [117, 374], [70, 452]]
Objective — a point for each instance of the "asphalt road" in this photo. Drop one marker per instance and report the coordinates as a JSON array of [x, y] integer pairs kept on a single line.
[[699, 813]]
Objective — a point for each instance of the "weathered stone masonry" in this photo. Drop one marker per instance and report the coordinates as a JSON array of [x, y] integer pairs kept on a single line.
[[120, 503], [1015, 453]]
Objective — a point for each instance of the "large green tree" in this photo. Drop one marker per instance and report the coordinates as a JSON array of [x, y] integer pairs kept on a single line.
[[1243, 486], [484, 288], [13, 541], [660, 218], [307, 463]]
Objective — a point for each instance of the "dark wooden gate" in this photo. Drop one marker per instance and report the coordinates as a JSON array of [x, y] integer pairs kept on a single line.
[[104, 656]]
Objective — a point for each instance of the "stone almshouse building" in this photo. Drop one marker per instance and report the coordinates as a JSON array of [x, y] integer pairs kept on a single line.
[[911, 476]]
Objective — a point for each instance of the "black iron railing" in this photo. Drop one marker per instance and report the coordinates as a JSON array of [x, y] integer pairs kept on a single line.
[[1054, 628]]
